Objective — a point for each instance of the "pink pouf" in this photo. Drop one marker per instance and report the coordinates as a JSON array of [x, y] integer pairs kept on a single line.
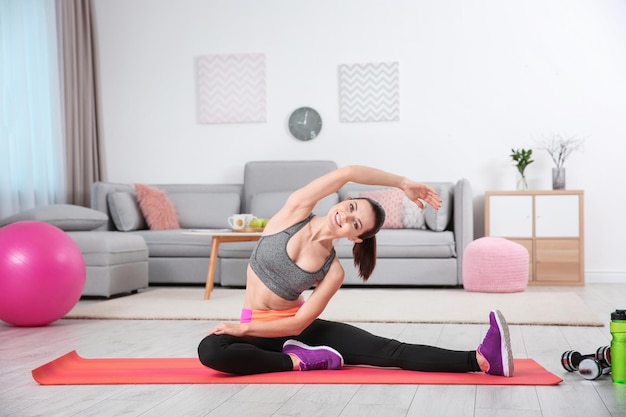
[[495, 264]]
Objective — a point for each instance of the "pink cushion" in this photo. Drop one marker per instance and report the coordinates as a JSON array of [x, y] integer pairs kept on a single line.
[[495, 264], [157, 208], [391, 200]]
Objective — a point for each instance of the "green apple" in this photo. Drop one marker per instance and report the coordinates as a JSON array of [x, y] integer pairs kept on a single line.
[[256, 223]]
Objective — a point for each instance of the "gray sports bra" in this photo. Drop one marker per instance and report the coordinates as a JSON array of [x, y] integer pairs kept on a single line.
[[272, 264]]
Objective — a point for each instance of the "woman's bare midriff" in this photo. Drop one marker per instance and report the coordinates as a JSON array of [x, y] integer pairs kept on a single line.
[[259, 297]]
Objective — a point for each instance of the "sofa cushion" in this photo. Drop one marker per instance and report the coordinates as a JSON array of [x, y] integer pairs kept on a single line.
[[157, 208], [391, 201], [402, 213], [67, 217], [265, 205], [176, 244], [437, 220], [279, 176], [406, 243], [125, 211], [205, 210], [103, 248], [412, 214]]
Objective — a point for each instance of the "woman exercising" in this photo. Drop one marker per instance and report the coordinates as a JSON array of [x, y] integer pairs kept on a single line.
[[280, 331]]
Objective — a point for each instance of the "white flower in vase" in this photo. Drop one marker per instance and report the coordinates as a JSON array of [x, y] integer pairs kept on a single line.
[[560, 147]]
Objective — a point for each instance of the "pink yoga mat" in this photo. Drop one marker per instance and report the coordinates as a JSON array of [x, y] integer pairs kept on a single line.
[[72, 369]]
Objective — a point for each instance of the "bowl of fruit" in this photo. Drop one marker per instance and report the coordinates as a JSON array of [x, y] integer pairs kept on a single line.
[[257, 225]]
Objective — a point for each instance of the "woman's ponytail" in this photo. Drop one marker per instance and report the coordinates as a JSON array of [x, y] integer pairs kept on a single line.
[[364, 253]]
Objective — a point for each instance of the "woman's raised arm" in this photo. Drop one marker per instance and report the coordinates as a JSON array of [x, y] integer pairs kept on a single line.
[[330, 183]]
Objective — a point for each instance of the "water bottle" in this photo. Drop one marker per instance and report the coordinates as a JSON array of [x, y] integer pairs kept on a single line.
[[618, 346]]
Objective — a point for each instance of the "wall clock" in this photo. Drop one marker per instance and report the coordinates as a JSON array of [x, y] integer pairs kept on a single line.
[[305, 123]]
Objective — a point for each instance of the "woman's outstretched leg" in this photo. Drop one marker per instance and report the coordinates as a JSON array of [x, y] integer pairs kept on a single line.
[[359, 347]]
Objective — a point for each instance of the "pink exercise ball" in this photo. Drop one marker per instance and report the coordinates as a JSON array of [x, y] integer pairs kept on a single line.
[[42, 273]]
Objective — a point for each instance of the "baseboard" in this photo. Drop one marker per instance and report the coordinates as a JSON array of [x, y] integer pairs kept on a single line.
[[605, 277]]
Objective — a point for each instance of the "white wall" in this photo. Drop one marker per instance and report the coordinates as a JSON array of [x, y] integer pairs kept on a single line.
[[477, 78]]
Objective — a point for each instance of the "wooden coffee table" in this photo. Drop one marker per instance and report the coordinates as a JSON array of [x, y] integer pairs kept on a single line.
[[220, 236]]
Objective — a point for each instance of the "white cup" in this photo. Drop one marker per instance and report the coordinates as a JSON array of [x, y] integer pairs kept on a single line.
[[240, 221]]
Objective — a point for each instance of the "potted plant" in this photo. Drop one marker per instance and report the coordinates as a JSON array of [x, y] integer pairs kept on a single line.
[[522, 158], [560, 147]]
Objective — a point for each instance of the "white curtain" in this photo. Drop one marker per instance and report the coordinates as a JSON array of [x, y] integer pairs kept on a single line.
[[31, 140]]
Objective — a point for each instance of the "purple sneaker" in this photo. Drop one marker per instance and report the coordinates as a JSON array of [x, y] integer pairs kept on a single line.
[[496, 346], [313, 357]]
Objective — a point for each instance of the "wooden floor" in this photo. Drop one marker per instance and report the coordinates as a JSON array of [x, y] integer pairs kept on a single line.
[[22, 349]]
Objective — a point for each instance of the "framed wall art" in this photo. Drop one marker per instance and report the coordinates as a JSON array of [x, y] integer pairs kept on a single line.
[[231, 88], [369, 92]]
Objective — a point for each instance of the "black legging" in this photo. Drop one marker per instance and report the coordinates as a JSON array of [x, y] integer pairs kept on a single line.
[[255, 355]]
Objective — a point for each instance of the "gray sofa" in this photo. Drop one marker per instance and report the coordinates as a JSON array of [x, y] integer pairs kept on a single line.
[[406, 256]]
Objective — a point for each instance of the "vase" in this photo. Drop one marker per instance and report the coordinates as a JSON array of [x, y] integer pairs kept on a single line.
[[558, 178], [522, 185]]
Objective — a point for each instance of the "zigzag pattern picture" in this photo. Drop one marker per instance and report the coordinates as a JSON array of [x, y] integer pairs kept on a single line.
[[369, 92], [231, 88]]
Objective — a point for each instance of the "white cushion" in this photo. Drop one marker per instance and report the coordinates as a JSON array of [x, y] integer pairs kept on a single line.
[[437, 220], [67, 217], [125, 211]]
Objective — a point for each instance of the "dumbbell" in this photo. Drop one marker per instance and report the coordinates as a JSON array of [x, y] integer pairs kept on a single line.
[[603, 354], [571, 359], [590, 366]]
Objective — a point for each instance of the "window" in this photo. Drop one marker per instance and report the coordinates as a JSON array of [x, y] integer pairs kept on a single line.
[[31, 139]]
